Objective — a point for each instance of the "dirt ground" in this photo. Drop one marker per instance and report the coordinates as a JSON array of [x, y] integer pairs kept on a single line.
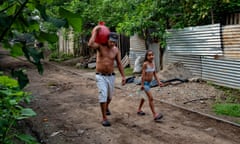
[[68, 112]]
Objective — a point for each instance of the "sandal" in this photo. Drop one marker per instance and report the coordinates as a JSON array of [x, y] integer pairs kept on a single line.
[[141, 113], [106, 123], [158, 117], [108, 112]]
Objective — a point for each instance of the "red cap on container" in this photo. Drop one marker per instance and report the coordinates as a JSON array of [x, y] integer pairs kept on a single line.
[[103, 33], [101, 23]]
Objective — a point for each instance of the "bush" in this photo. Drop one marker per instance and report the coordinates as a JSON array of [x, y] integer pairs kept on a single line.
[[11, 111]]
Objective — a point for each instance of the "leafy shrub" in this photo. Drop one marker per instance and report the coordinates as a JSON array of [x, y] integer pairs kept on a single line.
[[11, 110]]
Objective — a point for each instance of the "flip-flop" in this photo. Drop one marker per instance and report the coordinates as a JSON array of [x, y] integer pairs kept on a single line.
[[158, 117], [141, 113]]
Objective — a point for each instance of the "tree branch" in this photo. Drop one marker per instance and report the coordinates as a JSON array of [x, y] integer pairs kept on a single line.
[[14, 18], [195, 100]]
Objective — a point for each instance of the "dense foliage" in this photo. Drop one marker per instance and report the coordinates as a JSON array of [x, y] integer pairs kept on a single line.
[[151, 18], [24, 26], [25, 22], [28, 20], [11, 110]]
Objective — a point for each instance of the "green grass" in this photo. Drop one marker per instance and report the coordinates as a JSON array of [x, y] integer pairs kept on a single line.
[[228, 109], [229, 103], [231, 95], [238, 122], [128, 71]]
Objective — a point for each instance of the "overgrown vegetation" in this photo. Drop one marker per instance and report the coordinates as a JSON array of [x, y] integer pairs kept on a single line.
[[229, 104], [231, 95], [12, 110], [24, 25]]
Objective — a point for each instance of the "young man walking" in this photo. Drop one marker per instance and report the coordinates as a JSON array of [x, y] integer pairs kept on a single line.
[[105, 77]]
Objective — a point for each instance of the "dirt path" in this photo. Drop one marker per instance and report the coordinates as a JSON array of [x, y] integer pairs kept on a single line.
[[69, 113]]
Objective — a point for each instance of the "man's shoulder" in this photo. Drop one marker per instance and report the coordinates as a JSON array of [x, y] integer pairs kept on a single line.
[[116, 48]]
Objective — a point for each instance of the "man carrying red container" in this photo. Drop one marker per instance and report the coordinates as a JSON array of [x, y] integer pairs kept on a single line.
[[104, 42]]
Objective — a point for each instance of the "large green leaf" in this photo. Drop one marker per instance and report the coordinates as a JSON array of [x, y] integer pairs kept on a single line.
[[76, 23], [28, 139], [16, 50], [57, 22], [3, 123], [12, 10], [13, 102], [34, 27], [22, 78], [67, 14], [74, 19], [8, 82], [36, 54], [5, 92], [42, 10], [4, 21], [52, 38], [26, 113], [40, 68]]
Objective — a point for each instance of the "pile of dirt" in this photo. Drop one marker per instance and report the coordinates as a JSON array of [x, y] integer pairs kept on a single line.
[[175, 70]]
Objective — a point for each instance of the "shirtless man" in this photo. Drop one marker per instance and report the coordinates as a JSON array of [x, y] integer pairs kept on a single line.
[[105, 76]]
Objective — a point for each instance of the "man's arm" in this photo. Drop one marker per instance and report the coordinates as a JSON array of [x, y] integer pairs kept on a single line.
[[120, 68], [91, 42]]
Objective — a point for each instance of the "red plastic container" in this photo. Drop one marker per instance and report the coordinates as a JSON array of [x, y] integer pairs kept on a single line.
[[103, 33]]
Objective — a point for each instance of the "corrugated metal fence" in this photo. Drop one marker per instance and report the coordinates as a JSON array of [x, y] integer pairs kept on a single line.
[[231, 41], [192, 63], [201, 40], [137, 48], [223, 72], [210, 52]]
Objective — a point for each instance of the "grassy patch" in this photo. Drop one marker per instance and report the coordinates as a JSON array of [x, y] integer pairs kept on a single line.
[[237, 122], [231, 95], [128, 71], [228, 109]]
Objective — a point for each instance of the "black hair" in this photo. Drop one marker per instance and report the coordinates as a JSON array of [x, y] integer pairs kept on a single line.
[[145, 59]]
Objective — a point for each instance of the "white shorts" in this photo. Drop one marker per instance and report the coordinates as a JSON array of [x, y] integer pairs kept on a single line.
[[105, 86]]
